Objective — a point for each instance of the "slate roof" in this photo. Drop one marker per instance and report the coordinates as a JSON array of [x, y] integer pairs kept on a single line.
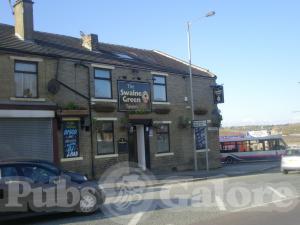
[[70, 47]]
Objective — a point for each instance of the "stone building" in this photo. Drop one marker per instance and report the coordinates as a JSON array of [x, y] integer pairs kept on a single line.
[[87, 105]]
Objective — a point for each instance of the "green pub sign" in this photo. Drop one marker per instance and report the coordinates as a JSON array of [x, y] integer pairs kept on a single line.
[[134, 96]]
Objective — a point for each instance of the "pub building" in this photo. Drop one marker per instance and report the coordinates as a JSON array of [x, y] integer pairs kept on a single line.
[[87, 105]]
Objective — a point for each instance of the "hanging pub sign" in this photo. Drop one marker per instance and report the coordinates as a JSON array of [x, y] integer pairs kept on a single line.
[[134, 96], [71, 139], [218, 94]]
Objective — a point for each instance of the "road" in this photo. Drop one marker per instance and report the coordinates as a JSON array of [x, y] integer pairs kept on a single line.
[[269, 198]]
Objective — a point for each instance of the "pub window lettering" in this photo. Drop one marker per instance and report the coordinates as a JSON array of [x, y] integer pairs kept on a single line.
[[25, 74], [162, 138], [105, 138], [103, 87], [159, 88]]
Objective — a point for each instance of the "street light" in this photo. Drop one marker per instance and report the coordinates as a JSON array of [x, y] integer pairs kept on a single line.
[[189, 23]]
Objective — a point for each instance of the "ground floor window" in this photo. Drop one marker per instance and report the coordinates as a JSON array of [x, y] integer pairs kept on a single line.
[[71, 139], [105, 138], [162, 138]]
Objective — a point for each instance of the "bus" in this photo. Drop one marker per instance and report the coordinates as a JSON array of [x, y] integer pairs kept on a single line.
[[246, 148]]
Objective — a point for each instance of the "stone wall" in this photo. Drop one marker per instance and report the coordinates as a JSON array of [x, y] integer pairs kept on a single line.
[[77, 77]]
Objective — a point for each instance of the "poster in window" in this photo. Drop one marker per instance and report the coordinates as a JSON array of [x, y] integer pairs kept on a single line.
[[71, 139], [200, 136]]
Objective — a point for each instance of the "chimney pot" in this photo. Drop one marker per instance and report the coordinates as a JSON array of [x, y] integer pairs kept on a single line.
[[23, 10], [90, 42]]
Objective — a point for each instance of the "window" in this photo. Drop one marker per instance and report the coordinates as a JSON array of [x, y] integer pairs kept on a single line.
[[229, 147], [159, 88], [103, 83], [162, 138], [124, 56], [26, 79], [9, 171], [105, 138], [38, 174]]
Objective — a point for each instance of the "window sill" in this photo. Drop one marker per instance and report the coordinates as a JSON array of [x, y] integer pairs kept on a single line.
[[106, 156], [161, 103], [203, 150], [103, 66], [28, 99], [103, 100], [164, 154], [213, 128], [71, 159], [161, 122], [26, 59]]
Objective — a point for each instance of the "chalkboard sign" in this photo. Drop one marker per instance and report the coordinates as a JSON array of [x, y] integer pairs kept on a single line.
[[71, 139], [122, 146], [200, 136]]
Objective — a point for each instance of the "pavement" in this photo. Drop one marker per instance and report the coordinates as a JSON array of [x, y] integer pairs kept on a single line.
[[240, 169], [163, 178]]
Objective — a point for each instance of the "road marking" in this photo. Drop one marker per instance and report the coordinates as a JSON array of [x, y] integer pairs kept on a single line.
[[276, 192], [264, 204], [220, 203], [136, 218]]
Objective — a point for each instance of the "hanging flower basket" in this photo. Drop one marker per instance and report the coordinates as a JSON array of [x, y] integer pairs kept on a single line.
[[216, 118], [104, 107], [183, 122], [200, 111], [164, 110]]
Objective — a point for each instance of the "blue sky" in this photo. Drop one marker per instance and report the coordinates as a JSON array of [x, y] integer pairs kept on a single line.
[[252, 45]]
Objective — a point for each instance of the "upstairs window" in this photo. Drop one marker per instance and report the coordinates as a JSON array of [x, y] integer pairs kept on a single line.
[[159, 88], [103, 83], [26, 79]]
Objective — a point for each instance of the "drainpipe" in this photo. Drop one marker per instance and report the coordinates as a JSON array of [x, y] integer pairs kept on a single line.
[[90, 113]]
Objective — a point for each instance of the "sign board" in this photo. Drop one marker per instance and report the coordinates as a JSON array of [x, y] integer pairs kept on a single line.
[[71, 139], [218, 94], [122, 146], [199, 123], [200, 138], [134, 96], [258, 133]]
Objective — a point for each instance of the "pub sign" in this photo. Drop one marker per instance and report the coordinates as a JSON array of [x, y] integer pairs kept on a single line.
[[71, 139], [218, 94], [134, 96], [200, 138]]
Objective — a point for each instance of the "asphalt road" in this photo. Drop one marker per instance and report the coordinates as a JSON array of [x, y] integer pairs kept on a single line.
[[270, 198]]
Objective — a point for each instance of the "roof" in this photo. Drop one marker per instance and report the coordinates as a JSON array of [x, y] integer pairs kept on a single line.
[[54, 45]]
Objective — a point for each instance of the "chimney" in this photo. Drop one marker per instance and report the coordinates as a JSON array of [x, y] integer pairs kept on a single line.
[[90, 41], [23, 10]]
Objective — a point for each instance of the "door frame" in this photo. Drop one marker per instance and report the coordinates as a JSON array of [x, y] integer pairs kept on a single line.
[[147, 124]]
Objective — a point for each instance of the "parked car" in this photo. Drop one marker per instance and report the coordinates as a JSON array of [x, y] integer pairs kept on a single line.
[[290, 161], [58, 189]]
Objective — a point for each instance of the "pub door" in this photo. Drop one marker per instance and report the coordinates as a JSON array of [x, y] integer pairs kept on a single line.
[[138, 141]]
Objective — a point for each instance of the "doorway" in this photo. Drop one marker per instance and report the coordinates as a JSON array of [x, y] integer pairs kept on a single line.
[[138, 140]]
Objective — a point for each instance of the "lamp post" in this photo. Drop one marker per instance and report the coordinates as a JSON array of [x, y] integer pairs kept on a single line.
[[189, 23]]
